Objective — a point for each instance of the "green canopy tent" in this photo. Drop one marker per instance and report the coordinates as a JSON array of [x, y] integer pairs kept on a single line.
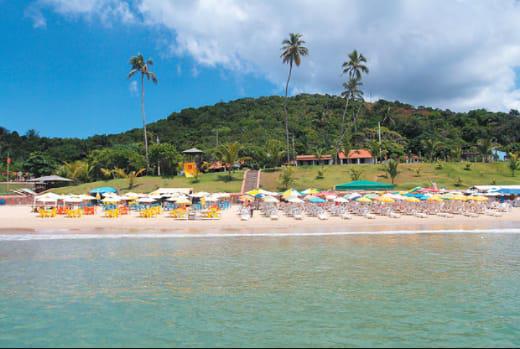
[[364, 185]]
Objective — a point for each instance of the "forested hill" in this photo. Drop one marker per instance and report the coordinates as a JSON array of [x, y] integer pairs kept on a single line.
[[315, 122]]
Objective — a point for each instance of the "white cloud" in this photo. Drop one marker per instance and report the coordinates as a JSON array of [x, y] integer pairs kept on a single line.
[[103, 11], [458, 54], [132, 87], [33, 12]]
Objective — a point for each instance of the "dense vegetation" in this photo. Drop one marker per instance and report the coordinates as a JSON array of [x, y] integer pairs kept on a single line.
[[258, 126]]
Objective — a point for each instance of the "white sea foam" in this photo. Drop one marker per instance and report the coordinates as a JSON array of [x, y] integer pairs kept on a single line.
[[76, 236]]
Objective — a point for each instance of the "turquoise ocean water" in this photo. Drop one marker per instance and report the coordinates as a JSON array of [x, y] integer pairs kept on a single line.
[[377, 290]]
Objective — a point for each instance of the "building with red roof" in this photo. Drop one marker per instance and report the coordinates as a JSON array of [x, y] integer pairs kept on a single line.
[[355, 156]]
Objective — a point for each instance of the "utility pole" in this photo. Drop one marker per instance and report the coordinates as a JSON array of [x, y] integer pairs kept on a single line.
[[158, 161], [379, 136], [216, 131], [293, 150]]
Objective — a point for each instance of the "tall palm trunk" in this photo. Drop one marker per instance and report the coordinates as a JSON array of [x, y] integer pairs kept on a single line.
[[343, 126], [287, 114], [144, 125]]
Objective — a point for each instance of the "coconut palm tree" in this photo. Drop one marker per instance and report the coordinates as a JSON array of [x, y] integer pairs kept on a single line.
[[139, 65], [229, 154], [292, 53], [355, 67], [513, 163]]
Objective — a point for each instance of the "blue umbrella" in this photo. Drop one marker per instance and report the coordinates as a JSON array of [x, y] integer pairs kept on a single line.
[[317, 200], [103, 190]]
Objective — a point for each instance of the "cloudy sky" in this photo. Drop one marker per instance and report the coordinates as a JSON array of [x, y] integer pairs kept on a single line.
[[65, 61]]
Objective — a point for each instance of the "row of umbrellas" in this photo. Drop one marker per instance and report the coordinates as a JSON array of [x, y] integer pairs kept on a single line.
[[110, 197], [315, 196]]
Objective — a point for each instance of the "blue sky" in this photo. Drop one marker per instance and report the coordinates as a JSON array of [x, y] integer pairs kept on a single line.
[[70, 78], [66, 61]]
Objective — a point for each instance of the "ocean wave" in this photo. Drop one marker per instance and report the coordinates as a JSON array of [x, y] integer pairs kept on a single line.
[[88, 236]]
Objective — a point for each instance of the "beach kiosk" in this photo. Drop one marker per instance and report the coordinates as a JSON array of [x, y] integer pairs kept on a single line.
[[364, 185], [192, 160]]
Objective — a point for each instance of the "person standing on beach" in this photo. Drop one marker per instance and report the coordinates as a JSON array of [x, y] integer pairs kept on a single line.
[[251, 209]]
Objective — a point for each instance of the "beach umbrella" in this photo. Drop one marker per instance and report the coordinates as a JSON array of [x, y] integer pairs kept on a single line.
[[311, 191], [111, 199], [385, 199], [364, 200], [353, 196], [372, 196], [183, 201], [435, 198], [200, 194], [291, 193], [48, 197], [317, 200], [340, 200], [246, 198], [270, 199], [479, 198], [72, 200], [295, 200], [412, 199], [331, 197], [86, 197], [147, 200], [103, 190]]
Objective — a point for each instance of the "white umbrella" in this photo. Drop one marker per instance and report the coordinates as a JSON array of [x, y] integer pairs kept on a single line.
[[270, 199], [294, 200], [331, 197], [48, 197], [111, 199], [353, 196], [340, 200], [73, 200], [200, 194], [146, 200]]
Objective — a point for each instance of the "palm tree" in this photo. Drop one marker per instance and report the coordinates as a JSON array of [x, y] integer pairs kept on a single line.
[[430, 146], [355, 67], [392, 169], [229, 154], [485, 146], [514, 163], [274, 152], [139, 65], [292, 53]]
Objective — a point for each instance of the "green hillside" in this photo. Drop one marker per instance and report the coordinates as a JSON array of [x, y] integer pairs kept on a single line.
[[305, 177]]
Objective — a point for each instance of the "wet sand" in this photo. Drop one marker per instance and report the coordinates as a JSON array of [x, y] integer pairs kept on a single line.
[[20, 220]]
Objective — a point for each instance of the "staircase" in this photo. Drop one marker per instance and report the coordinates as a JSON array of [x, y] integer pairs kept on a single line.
[[251, 181]]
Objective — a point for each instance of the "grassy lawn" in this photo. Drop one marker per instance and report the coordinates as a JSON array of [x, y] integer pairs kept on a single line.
[[408, 178], [6, 188], [305, 177], [212, 182]]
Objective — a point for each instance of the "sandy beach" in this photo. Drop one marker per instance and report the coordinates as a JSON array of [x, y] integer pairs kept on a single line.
[[20, 220]]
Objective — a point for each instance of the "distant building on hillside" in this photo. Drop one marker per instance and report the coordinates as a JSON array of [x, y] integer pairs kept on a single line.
[[499, 155], [356, 156]]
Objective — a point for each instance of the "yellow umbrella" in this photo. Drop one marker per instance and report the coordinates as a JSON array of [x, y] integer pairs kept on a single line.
[[364, 200], [479, 198], [411, 199], [253, 192], [458, 197], [247, 198], [311, 191], [435, 198], [385, 199], [290, 193]]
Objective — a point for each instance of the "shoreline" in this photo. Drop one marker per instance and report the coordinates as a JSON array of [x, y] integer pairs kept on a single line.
[[18, 220]]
